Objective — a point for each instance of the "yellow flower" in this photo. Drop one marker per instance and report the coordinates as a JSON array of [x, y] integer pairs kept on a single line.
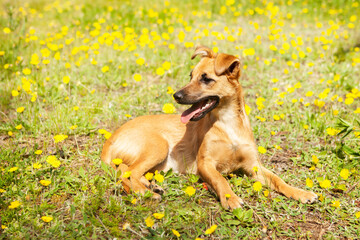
[[117, 161], [37, 165], [66, 79], [45, 182], [158, 215], [38, 152], [60, 138], [160, 71], [149, 222], [166, 65], [140, 61], [105, 69], [349, 100], [227, 195], [6, 30], [309, 183], [126, 174], [18, 127], [249, 52], [357, 215], [134, 201], [14, 204], [344, 173], [276, 117], [306, 126], [2, 190], [255, 169], [73, 127], [266, 193], [52, 160], [261, 150], [13, 169], [149, 176], [257, 186], [176, 233], [26, 71], [47, 219], [137, 77], [168, 108], [10, 133], [247, 109], [325, 184], [211, 229], [170, 90], [332, 131], [158, 177], [20, 109], [14, 93], [190, 191], [335, 204], [315, 159]]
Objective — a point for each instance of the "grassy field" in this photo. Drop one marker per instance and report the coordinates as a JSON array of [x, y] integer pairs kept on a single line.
[[74, 71]]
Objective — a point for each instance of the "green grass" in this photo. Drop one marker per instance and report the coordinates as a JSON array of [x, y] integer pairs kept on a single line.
[[84, 200]]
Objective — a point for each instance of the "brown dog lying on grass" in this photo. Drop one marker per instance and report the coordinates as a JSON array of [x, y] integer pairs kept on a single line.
[[211, 138]]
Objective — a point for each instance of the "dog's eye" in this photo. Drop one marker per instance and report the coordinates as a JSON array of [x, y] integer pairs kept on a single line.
[[205, 79]]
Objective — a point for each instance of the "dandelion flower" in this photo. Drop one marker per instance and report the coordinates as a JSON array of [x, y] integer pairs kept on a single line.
[[158, 215], [38, 152], [169, 108], [47, 219], [325, 184], [261, 150], [140, 61], [176, 233], [160, 71], [309, 183], [126, 174], [211, 229], [149, 176], [158, 177], [344, 173], [117, 161], [20, 109], [14, 204], [190, 191], [37, 165], [13, 169], [60, 138], [45, 182], [335, 204], [257, 186], [137, 77], [149, 222]]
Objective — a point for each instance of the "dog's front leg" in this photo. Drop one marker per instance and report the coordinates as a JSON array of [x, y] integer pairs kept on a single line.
[[210, 175]]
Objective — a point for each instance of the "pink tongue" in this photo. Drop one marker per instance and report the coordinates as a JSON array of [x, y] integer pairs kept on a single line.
[[188, 114]]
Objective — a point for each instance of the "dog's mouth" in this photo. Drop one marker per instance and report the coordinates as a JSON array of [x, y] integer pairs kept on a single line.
[[199, 109]]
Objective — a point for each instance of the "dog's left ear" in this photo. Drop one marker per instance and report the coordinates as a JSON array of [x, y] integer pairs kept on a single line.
[[227, 64]]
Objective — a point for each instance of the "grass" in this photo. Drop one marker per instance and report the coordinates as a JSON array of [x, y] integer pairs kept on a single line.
[[300, 75]]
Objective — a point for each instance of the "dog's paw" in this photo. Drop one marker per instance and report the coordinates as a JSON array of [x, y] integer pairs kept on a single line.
[[232, 202], [157, 189], [307, 197]]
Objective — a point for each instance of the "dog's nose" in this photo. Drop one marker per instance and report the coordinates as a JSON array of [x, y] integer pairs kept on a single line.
[[178, 95]]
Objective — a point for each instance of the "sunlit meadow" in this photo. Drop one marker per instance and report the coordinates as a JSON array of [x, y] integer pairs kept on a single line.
[[73, 71]]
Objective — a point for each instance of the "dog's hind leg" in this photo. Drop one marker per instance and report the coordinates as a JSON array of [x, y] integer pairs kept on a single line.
[[266, 177]]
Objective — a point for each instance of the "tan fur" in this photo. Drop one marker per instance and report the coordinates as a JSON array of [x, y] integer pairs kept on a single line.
[[219, 143]]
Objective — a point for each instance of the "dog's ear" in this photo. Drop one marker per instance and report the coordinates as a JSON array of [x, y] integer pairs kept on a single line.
[[227, 64], [203, 51]]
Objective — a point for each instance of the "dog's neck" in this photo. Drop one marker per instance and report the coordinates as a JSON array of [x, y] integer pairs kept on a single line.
[[231, 117]]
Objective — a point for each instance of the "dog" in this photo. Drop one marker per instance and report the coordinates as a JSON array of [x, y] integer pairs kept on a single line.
[[211, 138]]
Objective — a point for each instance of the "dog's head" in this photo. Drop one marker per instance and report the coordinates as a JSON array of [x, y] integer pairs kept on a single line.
[[213, 79]]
